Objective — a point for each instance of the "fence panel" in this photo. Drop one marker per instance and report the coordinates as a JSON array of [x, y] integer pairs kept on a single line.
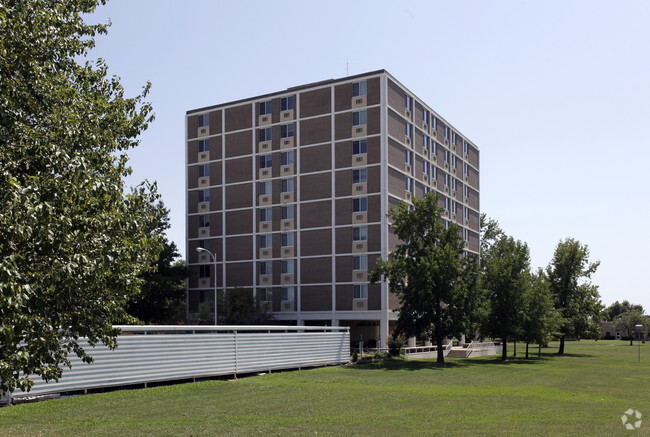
[[162, 353]]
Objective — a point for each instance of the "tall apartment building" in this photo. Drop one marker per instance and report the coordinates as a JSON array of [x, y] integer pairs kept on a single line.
[[290, 190]]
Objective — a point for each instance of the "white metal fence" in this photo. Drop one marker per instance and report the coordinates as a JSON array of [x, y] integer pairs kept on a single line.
[[162, 353]]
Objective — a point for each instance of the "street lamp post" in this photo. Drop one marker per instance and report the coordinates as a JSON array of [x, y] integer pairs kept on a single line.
[[639, 330], [214, 258]]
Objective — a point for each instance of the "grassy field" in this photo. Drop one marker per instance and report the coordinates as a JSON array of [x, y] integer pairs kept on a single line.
[[583, 393]]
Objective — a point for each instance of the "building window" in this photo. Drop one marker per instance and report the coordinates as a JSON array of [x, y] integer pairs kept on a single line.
[[266, 295], [288, 267], [204, 221], [265, 188], [204, 146], [453, 137], [408, 157], [360, 233], [466, 235], [359, 176], [286, 130], [434, 148], [266, 268], [447, 203], [454, 207], [407, 102], [425, 144], [409, 185], [204, 271], [204, 196], [434, 122], [360, 262], [446, 180], [360, 204], [288, 240], [446, 224], [286, 103], [408, 130], [465, 147], [425, 116], [204, 170], [453, 183], [265, 215], [286, 158], [361, 291], [359, 89], [359, 118], [266, 161], [266, 241], [446, 155], [466, 191], [204, 120], [453, 161], [287, 185], [289, 293], [265, 134], [434, 172], [425, 168], [265, 107], [466, 213], [466, 169], [287, 212], [426, 190], [204, 244], [359, 147], [446, 133]]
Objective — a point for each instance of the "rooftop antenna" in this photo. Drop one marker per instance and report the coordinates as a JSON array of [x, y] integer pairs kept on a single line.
[[347, 69]]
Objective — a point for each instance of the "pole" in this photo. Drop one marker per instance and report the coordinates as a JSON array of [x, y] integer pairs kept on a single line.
[[215, 287]]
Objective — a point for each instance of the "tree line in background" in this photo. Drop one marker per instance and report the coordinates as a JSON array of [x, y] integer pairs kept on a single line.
[[445, 292]]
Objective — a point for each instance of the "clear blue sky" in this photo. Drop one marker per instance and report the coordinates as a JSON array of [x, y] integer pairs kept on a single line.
[[556, 95]]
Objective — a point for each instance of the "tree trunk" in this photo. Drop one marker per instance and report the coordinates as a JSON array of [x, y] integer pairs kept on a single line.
[[514, 350], [561, 350], [504, 351], [441, 352], [539, 350], [631, 341], [526, 350]]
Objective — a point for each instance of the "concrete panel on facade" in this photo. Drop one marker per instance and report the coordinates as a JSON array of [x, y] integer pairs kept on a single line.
[[315, 186], [374, 297], [473, 155], [316, 298], [317, 158], [344, 268], [344, 294], [343, 125], [239, 196], [374, 209], [472, 178], [239, 222], [239, 274], [239, 143], [239, 248], [315, 130], [239, 117], [374, 238], [315, 102], [343, 180], [238, 170], [316, 214], [395, 97], [343, 211], [316, 270], [396, 183], [396, 154], [316, 242]]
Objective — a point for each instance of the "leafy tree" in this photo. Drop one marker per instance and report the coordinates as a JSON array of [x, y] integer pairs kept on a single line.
[[617, 308], [578, 303], [540, 317], [505, 279], [428, 273], [240, 309], [72, 244], [162, 296], [627, 322]]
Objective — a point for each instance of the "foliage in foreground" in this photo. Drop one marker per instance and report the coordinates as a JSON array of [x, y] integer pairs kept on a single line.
[[435, 284], [73, 244]]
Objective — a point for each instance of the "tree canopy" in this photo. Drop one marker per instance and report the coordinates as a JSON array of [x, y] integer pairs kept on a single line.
[[618, 308], [628, 321], [73, 242], [427, 270], [575, 298]]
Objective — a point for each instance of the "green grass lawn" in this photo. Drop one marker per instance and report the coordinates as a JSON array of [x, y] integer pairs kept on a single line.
[[582, 393]]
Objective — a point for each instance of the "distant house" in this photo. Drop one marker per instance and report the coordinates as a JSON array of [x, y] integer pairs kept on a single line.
[[608, 332]]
